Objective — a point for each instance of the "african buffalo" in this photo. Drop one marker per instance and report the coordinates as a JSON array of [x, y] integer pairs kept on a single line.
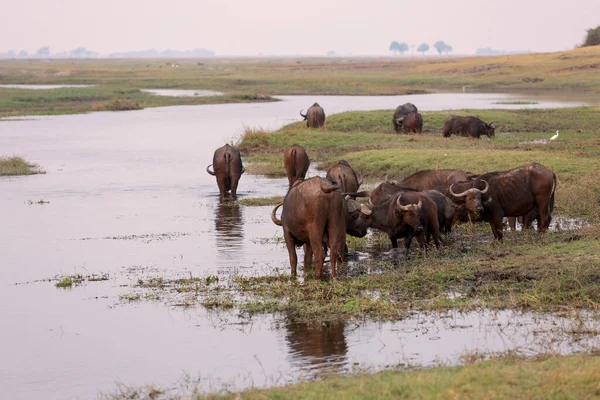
[[387, 190], [296, 163], [467, 126], [343, 173], [228, 169], [431, 179], [402, 111], [413, 214], [314, 117], [410, 123], [316, 215], [446, 210], [514, 193]]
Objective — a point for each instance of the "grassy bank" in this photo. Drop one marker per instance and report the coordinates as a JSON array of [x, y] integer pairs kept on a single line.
[[17, 166], [554, 272], [575, 377], [17, 102], [574, 70], [366, 140]]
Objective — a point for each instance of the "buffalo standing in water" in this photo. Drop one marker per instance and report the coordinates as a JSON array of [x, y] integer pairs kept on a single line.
[[314, 117], [296, 162], [316, 215], [228, 169], [343, 173], [402, 111]]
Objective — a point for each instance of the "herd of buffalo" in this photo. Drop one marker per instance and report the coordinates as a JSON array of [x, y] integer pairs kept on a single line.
[[317, 213]]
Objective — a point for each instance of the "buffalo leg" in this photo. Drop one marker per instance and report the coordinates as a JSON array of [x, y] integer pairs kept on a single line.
[[421, 239], [496, 224], [394, 242], [407, 242], [291, 246], [319, 254], [222, 184], [512, 223], [308, 256], [234, 185]]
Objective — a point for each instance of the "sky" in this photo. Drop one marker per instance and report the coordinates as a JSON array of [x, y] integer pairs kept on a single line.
[[305, 27]]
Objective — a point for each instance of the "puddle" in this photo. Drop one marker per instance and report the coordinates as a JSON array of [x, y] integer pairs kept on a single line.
[[132, 195], [182, 92], [42, 87]]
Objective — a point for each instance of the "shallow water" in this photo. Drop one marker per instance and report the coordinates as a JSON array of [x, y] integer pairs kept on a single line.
[[128, 195], [41, 87], [182, 92]]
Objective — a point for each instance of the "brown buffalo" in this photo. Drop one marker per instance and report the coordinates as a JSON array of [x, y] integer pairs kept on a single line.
[[387, 190], [431, 179], [413, 214], [515, 193], [227, 168], [467, 126], [296, 163], [410, 123], [402, 111], [314, 117], [446, 210], [343, 173], [316, 215]]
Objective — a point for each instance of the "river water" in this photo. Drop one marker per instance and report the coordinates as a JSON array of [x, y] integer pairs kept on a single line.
[[127, 194]]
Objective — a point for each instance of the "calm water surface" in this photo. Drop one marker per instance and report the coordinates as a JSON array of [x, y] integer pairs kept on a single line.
[[129, 196]]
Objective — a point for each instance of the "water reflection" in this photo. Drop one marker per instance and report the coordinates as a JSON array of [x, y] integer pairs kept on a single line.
[[317, 346], [229, 229]]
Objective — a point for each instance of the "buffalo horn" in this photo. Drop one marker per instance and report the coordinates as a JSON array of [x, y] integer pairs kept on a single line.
[[492, 124], [243, 170], [400, 206], [209, 171], [274, 218], [420, 203], [302, 115], [462, 194], [365, 210], [487, 186]]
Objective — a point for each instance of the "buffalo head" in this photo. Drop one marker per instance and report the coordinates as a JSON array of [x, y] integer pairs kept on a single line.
[[358, 218], [490, 129], [409, 214], [473, 198]]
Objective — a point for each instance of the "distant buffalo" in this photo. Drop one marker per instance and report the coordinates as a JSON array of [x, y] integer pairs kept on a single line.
[[296, 162], [314, 117], [467, 126], [402, 111], [228, 169], [410, 123]]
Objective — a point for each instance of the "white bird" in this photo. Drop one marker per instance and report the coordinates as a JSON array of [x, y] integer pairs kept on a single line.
[[555, 136]]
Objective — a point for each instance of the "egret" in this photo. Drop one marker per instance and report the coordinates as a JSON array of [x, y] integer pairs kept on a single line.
[[555, 136]]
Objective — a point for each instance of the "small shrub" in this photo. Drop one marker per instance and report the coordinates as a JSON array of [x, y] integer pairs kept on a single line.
[[592, 38], [121, 105]]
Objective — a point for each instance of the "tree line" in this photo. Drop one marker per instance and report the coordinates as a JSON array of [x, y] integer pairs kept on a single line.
[[401, 47]]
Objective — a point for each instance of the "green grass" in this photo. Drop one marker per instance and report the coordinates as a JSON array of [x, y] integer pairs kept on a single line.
[[17, 166], [260, 201], [574, 377], [367, 141], [17, 102], [552, 272], [569, 71]]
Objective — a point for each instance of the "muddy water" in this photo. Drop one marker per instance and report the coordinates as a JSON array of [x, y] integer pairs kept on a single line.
[[127, 194]]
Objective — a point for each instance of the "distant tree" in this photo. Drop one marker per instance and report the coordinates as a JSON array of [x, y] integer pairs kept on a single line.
[[43, 52], [423, 47], [11, 53], [403, 47], [23, 53], [592, 38], [331, 53], [442, 47], [398, 47]]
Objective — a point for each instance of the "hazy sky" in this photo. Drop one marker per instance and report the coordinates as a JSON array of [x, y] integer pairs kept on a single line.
[[249, 27]]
